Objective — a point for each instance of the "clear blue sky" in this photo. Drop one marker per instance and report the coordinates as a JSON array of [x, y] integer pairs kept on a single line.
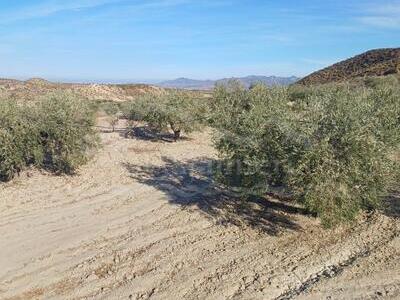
[[161, 39]]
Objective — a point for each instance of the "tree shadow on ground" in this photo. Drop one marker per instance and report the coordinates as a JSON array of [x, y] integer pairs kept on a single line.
[[145, 133], [391, 205], [109, 129], [190, 184]]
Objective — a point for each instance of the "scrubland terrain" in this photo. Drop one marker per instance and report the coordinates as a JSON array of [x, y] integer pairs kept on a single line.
[[36, 87], [377, 62], [144, 220], [260, 193]]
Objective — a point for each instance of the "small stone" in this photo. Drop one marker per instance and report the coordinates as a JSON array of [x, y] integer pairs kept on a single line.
[[129, 277], [92, 277]]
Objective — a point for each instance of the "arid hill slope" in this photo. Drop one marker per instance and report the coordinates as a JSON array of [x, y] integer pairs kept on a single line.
[[379, 62], [33, 88]]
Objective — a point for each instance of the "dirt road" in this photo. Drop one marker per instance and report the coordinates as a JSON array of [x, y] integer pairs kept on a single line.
[[143, 220]]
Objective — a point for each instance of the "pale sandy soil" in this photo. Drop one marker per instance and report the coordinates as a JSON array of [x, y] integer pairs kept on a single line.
[[143, 220], [35, 88]]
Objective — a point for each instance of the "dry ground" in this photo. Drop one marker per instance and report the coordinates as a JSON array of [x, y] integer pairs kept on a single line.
[[143, 220], [35, 88]]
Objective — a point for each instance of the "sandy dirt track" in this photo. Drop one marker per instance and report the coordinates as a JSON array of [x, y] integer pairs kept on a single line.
[[144, 221]]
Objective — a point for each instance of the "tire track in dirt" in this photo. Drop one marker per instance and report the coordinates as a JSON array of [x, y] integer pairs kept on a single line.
[[387, 235]]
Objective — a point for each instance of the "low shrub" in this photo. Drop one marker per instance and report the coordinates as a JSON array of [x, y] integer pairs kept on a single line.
[[112, 109]]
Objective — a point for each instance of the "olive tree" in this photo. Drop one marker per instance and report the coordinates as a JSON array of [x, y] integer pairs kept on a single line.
[[173, 110], [112, 110], [54, 133], [329, 147]]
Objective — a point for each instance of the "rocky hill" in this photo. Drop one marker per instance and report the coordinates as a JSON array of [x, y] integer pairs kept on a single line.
[[378, 62]]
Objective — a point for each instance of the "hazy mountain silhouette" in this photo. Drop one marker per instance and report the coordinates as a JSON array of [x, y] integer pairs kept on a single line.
[[187, 83]]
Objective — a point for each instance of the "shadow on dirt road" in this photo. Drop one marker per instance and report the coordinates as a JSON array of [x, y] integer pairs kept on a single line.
[[190, 184]]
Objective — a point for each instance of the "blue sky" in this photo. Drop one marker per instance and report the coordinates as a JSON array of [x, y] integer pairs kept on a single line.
[[163, 39]]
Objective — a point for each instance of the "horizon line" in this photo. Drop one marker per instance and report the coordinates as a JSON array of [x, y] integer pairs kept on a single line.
[[127, 81]]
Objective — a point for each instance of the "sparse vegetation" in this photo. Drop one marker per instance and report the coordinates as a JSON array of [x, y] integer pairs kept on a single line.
[[378, 62], [54, 133], [112, 109], [329, 147], [173, 110]]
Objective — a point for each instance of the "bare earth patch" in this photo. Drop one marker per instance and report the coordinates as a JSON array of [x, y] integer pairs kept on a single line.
[[143, 220]]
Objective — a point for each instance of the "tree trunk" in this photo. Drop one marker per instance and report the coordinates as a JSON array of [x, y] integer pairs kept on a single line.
[[177, 131], [177, 135]]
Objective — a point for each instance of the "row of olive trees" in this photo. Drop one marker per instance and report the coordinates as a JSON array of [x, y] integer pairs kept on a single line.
[[54, 133], [330, 147], [172, 110]]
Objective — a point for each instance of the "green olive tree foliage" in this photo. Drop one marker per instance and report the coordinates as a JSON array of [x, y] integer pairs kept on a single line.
[[67, 131], [112, 109], [20, 142], [173, 110], [54, 133], [330, 147]]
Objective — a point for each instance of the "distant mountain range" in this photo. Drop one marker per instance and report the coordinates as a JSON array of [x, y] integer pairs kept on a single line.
[[378, 62], [193, 84]]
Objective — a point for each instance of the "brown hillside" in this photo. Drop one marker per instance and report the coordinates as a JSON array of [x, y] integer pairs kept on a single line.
[[379, 62], [36, 87]]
